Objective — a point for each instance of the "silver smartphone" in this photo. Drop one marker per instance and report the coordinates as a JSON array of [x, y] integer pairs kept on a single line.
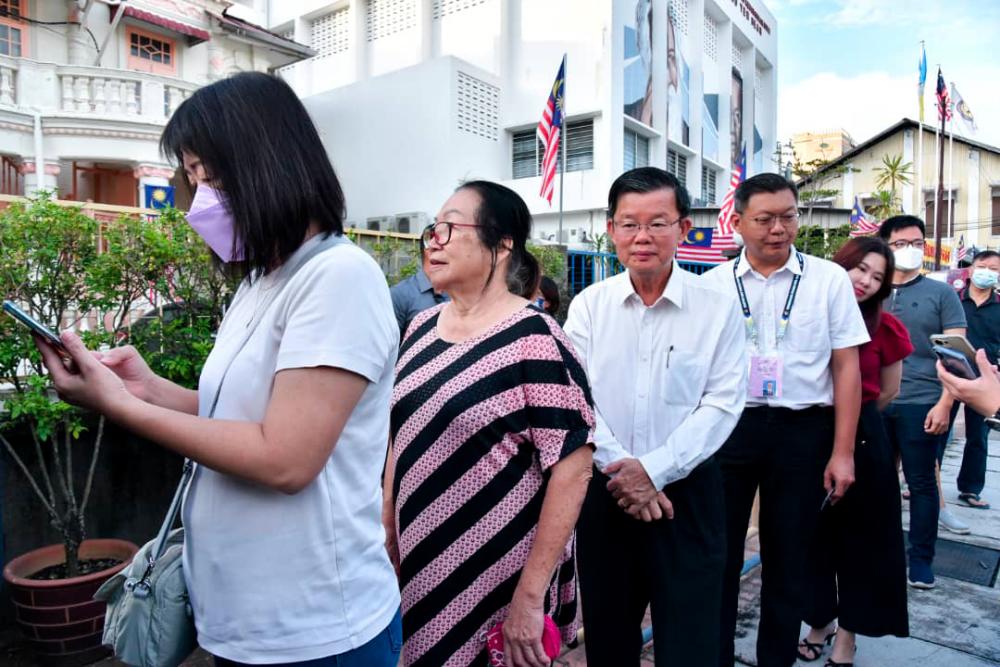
[[956, 343], [37, 327]]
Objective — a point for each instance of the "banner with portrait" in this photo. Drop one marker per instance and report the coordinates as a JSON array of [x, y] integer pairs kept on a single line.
[[638, 65]]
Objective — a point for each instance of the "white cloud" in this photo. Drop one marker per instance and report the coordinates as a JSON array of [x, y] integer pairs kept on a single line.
[[870, 102]]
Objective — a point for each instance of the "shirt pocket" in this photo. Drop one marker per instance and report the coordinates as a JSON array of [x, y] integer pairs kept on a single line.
[[807, 332], [683, 378]]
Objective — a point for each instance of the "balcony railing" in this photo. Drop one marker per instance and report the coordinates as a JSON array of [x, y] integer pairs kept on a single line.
[[100, 91]]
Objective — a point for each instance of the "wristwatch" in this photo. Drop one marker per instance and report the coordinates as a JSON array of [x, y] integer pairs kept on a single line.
[[994, 421]]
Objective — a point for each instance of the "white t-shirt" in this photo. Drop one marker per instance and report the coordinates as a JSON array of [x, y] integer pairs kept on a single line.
[[287, 578]]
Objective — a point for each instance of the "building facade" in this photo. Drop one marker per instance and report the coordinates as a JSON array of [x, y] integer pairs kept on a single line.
[[821, 146], [86, 87], [414, 96], [971, 181]]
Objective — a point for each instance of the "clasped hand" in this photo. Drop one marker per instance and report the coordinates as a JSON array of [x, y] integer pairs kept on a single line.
[[631, 486]]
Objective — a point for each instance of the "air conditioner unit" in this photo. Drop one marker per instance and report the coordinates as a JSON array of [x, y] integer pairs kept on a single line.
[[386, 223], [575, 235], [411, 223]]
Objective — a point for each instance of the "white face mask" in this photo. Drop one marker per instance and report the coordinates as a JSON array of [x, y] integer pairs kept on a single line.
[[908, 258]]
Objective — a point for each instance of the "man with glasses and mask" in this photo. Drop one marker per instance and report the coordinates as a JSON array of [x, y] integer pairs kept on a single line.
[[917, 420], [802, 330], [664, 354]]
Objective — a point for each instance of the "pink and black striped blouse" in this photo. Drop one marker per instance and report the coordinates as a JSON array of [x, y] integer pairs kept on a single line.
[[476, 426]]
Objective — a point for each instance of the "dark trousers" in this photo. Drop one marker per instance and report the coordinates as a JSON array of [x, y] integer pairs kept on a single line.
[[673, 566], [784, 453], [858, 564], [904, 425], [972, 476]]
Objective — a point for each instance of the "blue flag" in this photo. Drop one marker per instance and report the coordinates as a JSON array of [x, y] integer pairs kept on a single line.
[[159, 196], [699, 237]]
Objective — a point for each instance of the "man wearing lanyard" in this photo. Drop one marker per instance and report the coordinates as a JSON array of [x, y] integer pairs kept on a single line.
[[796, 435], [664, 354]]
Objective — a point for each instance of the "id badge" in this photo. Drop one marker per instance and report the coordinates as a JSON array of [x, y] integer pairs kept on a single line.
[[765, 377]]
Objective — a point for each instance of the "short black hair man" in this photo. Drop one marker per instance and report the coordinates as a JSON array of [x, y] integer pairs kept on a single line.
[[917, 420], [665, 358], [796, 435]]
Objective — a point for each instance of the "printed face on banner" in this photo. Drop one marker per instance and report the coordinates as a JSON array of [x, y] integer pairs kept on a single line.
[[639, 64]]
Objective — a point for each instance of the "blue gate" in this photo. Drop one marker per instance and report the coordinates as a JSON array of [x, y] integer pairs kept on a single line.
[[586, 267]]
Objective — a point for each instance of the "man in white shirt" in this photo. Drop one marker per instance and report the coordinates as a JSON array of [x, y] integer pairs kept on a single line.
[[665, 357], [796, 436]]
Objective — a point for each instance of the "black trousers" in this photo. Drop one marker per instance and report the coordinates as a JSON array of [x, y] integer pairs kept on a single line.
[[784, 453], [674, 566], [858, 566]]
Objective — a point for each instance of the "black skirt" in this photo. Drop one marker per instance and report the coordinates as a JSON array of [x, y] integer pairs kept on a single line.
[[858, 563]]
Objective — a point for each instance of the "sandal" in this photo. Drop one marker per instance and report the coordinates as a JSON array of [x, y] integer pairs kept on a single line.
[[830, 663], [973, 500], [814, 650]]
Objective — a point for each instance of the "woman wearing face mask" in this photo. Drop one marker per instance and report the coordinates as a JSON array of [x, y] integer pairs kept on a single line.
[[859, 571], [283, 555]]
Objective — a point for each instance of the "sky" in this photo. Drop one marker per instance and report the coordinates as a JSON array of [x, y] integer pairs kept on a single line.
[[852, 64]]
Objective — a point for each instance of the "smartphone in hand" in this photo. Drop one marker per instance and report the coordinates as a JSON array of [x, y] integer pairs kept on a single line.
[[956, 363], [36, 327], [956, 343]]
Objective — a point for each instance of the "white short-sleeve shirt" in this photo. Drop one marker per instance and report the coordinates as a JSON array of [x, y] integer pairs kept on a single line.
[[287, 578], [824, 317]]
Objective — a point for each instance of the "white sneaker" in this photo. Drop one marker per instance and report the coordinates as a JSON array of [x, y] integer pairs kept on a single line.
[[952, 524]]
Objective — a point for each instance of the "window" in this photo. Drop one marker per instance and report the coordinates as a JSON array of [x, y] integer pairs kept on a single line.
[[12, 35], [995, 200], [677, 165], [149, 52], [708, 184], [636, 150], [528, 150]]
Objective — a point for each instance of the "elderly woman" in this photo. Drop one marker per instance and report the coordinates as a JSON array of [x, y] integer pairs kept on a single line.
[[491, 430]]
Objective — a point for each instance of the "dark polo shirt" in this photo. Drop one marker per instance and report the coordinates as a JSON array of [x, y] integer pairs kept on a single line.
[[984, 323]]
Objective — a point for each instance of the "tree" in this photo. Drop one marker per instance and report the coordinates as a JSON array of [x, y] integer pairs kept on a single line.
[[885, 206], [814, 175], [892, 174], [63, 267]]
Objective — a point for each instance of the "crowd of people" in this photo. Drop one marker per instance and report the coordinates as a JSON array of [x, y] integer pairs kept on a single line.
[[446, 488]]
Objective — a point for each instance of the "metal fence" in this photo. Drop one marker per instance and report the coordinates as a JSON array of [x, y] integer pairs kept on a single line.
[[586, 267]]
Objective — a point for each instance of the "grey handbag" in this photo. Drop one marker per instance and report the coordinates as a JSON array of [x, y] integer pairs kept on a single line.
[[149, 621]]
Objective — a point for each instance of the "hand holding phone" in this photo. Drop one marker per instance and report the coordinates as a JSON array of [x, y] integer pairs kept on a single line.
[[955, 363], [36, 327]]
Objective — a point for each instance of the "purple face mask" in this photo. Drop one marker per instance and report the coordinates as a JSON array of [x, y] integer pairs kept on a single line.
[[214, 223]]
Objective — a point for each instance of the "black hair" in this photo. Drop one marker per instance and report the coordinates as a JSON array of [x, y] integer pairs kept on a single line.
[[259, 146], [648, 179], [761, 183], [502, 214], [985, 254], [897, 222], [550, 290]]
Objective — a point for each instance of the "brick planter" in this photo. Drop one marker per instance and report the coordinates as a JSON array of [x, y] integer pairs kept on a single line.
[[60, 619]]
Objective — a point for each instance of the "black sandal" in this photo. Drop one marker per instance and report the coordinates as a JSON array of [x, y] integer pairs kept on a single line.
[[830, 663], [814, 649]]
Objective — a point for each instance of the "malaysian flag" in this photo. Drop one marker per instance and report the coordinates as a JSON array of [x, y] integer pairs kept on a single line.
[[549, 130], [860, 224], [722, 237], [699, 246], [961, 251], [943, 101]]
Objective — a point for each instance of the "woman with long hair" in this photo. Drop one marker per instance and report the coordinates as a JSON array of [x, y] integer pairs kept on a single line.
[[283, 547], [858, 580]]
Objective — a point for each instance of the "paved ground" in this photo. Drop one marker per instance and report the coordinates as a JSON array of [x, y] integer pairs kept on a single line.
[[955, 625]]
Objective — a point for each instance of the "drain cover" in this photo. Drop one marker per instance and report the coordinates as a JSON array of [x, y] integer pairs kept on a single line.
[[968, 562]]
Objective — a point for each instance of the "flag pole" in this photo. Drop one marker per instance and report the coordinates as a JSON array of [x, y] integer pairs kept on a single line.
[[920, 148], [563, 139], [939, 199], [951, 183]]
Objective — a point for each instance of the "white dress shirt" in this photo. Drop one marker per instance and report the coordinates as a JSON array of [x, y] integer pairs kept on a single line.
[[824, 317], [668, 380]]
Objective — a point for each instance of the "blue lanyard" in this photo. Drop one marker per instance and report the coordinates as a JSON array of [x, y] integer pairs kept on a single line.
[[751, 327]]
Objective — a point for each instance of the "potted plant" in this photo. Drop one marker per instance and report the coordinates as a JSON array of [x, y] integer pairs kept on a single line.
[[68, 270]]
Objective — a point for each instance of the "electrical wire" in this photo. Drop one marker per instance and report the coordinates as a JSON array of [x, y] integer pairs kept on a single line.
[[6, 13]]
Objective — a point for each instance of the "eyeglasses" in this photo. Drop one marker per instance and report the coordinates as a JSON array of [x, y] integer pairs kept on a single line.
[[767, 221], [902, 243], [657, 228], [439, 231]]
